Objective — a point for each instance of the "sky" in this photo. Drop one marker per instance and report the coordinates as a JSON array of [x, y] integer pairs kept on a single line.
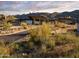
[[24, 7]]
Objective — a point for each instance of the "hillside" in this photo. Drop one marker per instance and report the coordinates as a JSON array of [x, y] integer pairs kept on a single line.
[[73, 14]]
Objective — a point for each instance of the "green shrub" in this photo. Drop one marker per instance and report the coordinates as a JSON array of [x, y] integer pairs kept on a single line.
[[6, 26]]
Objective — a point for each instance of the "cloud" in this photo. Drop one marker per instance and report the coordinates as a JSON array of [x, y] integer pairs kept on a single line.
[[37, 6]]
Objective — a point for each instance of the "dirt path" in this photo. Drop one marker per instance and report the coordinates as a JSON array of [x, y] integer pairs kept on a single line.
[[11, 38]]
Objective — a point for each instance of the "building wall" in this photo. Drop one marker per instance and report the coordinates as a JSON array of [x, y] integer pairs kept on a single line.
[[78, 27]]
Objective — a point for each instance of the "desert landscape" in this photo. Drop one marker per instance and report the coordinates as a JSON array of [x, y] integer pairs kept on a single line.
[[39, 34]]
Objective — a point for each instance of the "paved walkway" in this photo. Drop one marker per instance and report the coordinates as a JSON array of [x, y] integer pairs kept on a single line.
[[16, 31]]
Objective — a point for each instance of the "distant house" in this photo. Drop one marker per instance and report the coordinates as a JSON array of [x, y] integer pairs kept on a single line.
[[20, 18], [38, 19], [77, 25], [67, 20]]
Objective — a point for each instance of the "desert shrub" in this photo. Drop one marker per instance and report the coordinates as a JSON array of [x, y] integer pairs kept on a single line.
[[19, 46], [41, 35], [24, 25], [70, 40], [30, 45], [66, 38], [6, 25], [41, 40], [5, 50]]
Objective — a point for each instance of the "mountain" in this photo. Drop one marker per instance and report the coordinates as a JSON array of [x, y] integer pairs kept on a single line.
[[73, 14]]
